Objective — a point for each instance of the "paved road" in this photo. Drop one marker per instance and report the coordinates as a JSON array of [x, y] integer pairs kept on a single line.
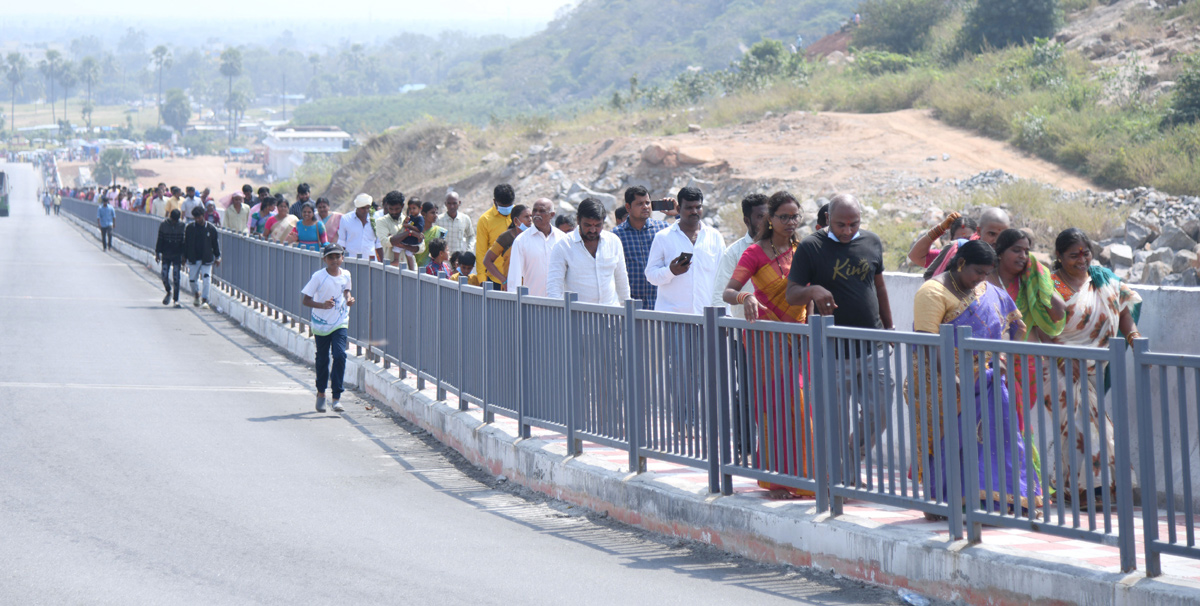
[[158, 455]]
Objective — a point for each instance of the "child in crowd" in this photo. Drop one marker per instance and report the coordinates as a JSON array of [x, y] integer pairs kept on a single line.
[[437, 258], [328, 294], [466, 265]]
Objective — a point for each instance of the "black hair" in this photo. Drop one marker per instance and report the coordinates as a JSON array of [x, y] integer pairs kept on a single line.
[[414, 200], [823, 216], [516, 214], [437, 247], [393, 197], [454, 257], [322, 200], [309, 206], [302, 189], [975, 252], [590, 208], [466, 258], [428, 206], [197, 211], [965, 221], [175, 214], [264, 190], [564, 219], [751, 202], [622, 212], [247, 188], [776, 200], [267, 201], [191, 189], [635, 191], [503, 194], [1068, 238], [690, 194], [1007, 239]]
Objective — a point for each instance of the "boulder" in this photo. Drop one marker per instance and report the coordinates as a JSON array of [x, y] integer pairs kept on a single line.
[[1119, 254], [1175, 239], [1192, 229], [1155, 273], [654, 153], [696, 155], [1183, 260], [1137, 234], [695, 128], [566, 208], [490, 158], [1161, 255], [1190, 278]]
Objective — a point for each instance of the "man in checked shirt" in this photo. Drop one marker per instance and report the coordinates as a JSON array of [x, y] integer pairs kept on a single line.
[[636, 234]]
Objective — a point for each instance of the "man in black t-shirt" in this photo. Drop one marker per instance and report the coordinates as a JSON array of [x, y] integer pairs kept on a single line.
[[840, 271]]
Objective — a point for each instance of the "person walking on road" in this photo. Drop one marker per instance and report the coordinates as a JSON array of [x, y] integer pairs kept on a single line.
[[168, 251], [203, 252], [57, 204], [47, 201], [105, 219], [328, 294]]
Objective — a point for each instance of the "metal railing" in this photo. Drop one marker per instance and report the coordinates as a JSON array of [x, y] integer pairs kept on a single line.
[[947, 424]]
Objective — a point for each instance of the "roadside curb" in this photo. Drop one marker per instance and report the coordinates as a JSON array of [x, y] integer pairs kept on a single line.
[[853, 547]]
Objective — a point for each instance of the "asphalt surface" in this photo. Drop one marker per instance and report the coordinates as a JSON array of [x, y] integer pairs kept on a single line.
[[151, 455]]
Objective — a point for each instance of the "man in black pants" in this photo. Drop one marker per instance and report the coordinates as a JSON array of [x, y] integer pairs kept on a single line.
[[169, 252]]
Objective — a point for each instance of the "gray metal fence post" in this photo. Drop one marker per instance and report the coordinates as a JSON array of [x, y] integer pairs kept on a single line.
[[417, 313], [1126, 540], [399, 336], [821, 385], [438, 372], [485, 389], [1142, 406], [570, 391], [523, 388], [950, 420], [633, 381], [711, 399], [966, 381], [828, 406], [462, 341]]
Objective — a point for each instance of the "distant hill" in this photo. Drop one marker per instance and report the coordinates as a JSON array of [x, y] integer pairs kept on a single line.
[[595, 49]]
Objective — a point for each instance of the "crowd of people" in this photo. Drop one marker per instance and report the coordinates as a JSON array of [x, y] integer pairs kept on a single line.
[[665, 256]]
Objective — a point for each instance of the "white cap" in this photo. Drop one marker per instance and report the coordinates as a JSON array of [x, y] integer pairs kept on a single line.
[[363, 200]]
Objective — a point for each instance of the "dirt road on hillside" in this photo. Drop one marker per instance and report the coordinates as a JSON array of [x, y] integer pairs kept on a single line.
[[837, 151]]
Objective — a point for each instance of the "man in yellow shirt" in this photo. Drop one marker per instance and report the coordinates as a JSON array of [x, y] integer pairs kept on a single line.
[[389, 225], [175, 202], [491, 224]]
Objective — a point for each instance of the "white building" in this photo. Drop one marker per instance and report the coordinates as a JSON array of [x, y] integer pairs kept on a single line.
[[286, 147]]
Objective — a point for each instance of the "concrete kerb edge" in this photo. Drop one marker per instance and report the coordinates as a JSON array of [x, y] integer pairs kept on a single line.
[[975, 574]]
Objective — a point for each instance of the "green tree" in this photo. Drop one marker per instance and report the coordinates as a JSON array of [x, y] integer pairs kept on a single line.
[[177, 110], [1002, 23], [237, 105], [113, 164], [48, 66], [1185, 101], [67, 78], [89, 74], [231, 67], [162, 60], [899, 26], [17, 66]]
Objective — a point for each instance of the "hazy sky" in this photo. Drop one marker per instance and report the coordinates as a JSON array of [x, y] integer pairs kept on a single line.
[[350, 10]]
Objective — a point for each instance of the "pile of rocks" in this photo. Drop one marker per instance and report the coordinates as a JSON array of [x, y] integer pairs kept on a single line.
[[1157, 252]]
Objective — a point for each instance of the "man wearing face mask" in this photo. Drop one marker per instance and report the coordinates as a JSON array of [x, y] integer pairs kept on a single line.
[[491, 224]]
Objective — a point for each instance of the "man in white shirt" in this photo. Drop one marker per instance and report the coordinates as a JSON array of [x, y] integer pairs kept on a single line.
[[754, 212], [529, 258], [237, 215], [460, 229], [683, 258], [357, 233], [190, 201], [590, 262]]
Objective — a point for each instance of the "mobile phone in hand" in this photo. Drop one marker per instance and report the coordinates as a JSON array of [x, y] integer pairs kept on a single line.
[[685, 258]]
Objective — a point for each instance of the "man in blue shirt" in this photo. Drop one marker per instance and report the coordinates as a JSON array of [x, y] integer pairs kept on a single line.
[[636, 234], [105, 219]]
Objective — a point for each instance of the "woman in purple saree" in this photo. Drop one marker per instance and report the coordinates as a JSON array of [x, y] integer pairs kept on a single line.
[[962, 296]]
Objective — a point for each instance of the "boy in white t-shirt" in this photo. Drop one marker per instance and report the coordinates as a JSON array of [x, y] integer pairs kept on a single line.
[[328, 294]]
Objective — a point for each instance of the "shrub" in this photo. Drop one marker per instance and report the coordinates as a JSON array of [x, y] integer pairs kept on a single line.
[[1185, 101], [899, 26], [1003, 23], [881, 62]]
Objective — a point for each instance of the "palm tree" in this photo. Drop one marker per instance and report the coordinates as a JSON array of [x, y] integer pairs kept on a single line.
[[67, 77], [162, 60], [17, 66], [89, 73], [231, 67], [49, 69]]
